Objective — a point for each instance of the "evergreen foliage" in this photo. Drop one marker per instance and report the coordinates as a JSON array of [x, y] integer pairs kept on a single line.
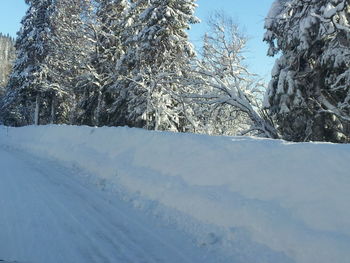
[[130, 62], [309, 92], [140, 47], [163, 54], [96, 91], [48, 56], [29, 80]]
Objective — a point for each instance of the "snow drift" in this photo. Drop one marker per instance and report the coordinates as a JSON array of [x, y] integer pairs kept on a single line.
[[259, 200]]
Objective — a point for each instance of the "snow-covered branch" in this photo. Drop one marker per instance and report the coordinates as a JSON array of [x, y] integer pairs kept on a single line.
[[220, 78]]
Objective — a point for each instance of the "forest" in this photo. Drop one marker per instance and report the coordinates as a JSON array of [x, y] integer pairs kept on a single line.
[[131, 63]]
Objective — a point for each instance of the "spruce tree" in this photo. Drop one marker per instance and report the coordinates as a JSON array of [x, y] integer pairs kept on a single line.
[[160, 53], [96, 91], [29, 80], [124, 107], [309, 92], [72, 49], [48, 56]]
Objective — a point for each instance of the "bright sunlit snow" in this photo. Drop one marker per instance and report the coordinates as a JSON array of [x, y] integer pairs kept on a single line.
[[68, 194]]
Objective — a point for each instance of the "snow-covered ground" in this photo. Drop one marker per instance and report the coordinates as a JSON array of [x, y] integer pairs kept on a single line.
[[48, 216], [249, 200]]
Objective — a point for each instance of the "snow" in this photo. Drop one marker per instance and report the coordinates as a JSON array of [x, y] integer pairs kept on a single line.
[[48, 216], [274, 11], [251, 200]]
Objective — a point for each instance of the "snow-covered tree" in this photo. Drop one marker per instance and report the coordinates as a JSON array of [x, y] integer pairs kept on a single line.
[[7, 55], [157, 49], [309, 93], [120, 100], [94, 88], [229, 97], [29, 78], [73, 46], [48, 56], [164, 51], [102, 90]]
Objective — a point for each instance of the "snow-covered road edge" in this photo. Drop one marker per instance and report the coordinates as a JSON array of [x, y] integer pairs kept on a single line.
[[263, 200]]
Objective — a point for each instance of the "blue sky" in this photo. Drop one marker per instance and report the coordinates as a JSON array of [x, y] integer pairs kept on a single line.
[[249, 14], [11, 13]]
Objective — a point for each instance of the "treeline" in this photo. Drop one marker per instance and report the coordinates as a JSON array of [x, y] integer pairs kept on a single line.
[[130, 62]]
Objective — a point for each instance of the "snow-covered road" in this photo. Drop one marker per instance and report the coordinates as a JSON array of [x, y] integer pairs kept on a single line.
[[47, 215]]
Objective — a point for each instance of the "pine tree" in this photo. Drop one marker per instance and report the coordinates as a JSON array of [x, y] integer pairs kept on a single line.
[[73, 47], [309, 92], [159, 55], [29, 80], [48, 55], [123, 104], [96, 90]]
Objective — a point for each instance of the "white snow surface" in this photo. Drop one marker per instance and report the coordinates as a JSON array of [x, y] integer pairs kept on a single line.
[[248, 200]]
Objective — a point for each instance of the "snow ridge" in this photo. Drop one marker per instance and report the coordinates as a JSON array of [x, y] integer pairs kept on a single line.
[[260, 200]]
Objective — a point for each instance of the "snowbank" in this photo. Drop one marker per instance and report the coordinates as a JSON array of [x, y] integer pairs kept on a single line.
[[261, 200]]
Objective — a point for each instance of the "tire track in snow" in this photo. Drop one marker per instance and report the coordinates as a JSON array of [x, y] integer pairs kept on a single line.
[[94, 207], [51, 217]]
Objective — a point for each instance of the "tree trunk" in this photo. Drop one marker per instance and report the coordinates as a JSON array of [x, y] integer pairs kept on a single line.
[[36, 113], [53, 102], [98, 110]]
